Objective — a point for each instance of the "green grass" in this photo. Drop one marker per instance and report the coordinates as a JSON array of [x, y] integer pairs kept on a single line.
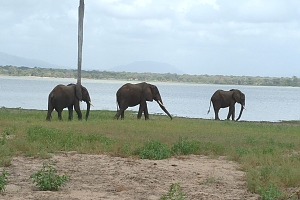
[[175, 193], [269, 153]]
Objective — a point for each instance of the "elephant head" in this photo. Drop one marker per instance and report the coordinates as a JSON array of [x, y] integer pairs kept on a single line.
[[152, 93], [239, 97], [82, 94], [68, 96]]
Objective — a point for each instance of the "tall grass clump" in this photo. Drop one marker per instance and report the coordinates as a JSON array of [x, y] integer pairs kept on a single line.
[[154, 150], [185, 147], [5, 151]]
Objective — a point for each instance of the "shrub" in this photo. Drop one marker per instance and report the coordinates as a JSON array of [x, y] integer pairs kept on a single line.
[[3, 179], [270, 193], [46, 179]]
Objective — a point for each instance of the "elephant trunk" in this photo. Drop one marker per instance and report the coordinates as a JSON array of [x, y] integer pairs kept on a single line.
[[88, 105], [242, 108], [164, 109]]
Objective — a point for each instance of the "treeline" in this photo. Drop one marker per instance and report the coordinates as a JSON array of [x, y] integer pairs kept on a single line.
[[129, 76]]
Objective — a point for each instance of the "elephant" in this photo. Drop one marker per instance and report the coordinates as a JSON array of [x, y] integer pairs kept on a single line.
[[130, 95], [68, 96], [223, 99]]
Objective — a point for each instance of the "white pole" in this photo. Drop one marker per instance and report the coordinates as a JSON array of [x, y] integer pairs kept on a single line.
[[80, 39]]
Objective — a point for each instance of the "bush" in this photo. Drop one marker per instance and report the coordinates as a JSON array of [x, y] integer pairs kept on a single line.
[[47, 180], [3, 179], [270, 193]]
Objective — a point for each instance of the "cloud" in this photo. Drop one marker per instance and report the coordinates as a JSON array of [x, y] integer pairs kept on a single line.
[[197, 36]]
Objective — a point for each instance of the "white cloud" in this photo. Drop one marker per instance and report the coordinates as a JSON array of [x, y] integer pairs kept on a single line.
[[185, 33]]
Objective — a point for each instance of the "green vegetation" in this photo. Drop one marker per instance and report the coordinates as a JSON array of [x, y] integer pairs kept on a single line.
[[269, 153], [3, 181], [154, 150], [185, 78], [270, 193], [175, 193], [47, 179]]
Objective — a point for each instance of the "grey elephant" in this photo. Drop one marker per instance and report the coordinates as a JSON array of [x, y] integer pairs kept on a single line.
[[68, 96], [223, 99], [130, 95]]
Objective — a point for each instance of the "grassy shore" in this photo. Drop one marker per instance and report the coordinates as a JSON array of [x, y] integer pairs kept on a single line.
[[269, 153]]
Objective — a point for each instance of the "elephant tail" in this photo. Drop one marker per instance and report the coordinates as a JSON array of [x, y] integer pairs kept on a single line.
[[118, 107], [50, 98], [209, 107]]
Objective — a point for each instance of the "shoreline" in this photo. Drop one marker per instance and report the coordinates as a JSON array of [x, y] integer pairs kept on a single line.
[[152, 81], [174, 117]]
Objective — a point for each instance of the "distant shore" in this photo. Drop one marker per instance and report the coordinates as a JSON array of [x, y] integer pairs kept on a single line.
[[153, 77]]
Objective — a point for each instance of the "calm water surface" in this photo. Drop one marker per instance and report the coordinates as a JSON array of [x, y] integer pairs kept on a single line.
[[185, 100]]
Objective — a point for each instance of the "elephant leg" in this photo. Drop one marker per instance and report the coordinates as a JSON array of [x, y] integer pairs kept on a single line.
[[120, 112], [216, 109], [146, 112], [116, 115], [231, 113], [141, 109], [59, 114], [140, 113], [50, 109], [70, 108], [78, 111]]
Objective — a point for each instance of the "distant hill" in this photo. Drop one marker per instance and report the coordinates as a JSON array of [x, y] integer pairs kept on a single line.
[[8, 59], [146, 67]]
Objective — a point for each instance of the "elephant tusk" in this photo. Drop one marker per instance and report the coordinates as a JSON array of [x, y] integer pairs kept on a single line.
[[91, 103], [160, 103]]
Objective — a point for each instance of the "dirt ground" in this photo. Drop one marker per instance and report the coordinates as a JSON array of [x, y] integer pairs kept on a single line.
[[106, 177]]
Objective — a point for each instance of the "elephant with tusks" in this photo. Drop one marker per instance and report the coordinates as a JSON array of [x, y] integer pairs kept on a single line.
[[130, 95]]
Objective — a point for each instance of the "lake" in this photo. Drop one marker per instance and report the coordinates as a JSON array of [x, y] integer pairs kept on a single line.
[[263, 103]]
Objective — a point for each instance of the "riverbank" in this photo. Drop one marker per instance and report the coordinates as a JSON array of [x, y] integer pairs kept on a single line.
[[266, 153], [153, 77]]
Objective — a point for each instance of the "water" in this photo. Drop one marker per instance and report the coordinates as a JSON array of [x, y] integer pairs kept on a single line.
[[185, 100]]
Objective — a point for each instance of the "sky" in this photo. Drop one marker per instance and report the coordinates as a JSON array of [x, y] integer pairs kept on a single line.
[[214, 37]]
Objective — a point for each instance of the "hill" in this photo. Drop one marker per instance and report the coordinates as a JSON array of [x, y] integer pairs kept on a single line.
[[147, 67], [8, 59]]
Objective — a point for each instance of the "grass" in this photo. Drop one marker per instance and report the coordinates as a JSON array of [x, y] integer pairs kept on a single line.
[[175, 193], [269, 153]]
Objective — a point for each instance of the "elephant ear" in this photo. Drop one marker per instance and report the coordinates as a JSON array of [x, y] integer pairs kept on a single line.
[[147, 92], [236, 95], [78, 92]]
